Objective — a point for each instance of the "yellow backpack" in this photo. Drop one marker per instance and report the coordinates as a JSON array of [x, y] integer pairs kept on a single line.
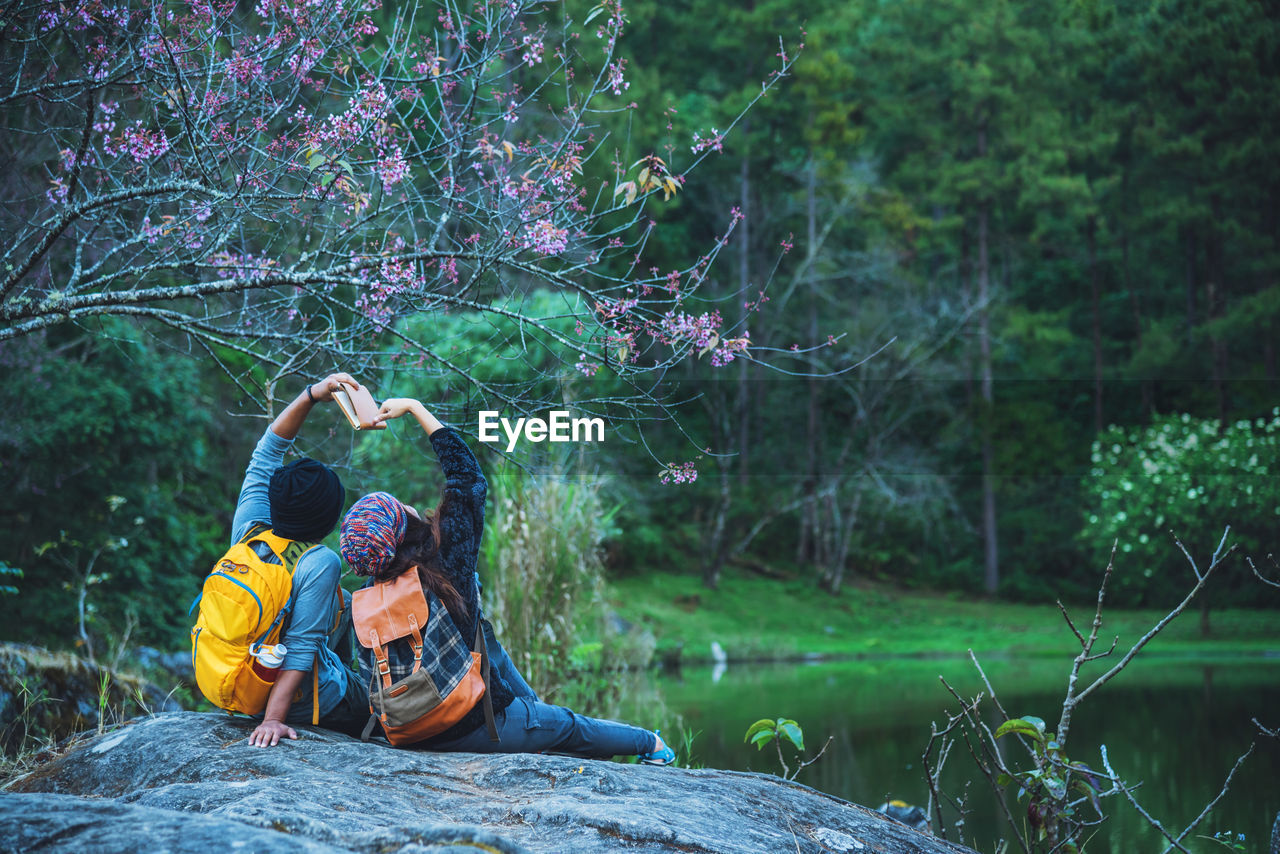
[[244, 602]]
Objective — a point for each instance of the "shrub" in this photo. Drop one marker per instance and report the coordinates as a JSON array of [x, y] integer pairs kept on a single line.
[[1180, 476]]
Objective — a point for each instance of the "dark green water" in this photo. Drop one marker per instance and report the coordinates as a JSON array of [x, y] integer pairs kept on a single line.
[[1175, 725]]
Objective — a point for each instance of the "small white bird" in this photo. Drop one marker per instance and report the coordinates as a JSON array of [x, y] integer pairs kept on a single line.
[[717, 653]]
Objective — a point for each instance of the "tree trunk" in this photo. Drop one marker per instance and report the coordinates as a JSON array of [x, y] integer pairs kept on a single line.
[[1095, 299], [744, 283], [1189, 250], [809, 548], [834, 578], [716, 551], [1215, 307], [1135, 308], [1269, 275], [991, 577]]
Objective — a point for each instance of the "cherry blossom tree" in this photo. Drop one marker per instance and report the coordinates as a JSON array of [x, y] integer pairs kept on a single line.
[[284, 182]]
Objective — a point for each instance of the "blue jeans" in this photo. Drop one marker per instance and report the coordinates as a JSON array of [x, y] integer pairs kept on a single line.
[[529, 725]]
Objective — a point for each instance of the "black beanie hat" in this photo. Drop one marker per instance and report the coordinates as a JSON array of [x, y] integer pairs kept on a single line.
[[306, 500]]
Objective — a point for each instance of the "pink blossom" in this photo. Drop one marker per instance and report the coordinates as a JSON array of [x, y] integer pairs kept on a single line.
[[533, 51], [588, 369], [545, 239], [728, 350], [151, 232], [230, 266], [57, 194], [142, 144], [615, 81], [715, 142], [393, 167], [679, 473], [243, 68], [695, 329]]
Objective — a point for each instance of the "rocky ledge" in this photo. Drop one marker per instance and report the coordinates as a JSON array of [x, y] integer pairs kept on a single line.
[[186, 781]]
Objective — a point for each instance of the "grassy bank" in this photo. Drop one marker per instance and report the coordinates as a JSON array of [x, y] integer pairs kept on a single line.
[[753, 617]]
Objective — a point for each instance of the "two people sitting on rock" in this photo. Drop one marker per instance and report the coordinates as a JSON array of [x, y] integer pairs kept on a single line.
[[383, 538]]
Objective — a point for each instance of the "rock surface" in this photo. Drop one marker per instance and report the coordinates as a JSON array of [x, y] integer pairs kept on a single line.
[[186, 781]]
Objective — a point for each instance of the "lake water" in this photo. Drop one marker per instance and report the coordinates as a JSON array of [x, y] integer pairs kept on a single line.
[[1175, 725]]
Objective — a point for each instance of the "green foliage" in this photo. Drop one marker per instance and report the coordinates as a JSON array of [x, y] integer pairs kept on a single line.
[[111, 484], [765, 730], [1053, 787], [683, 748], [776, 731], [1183, 477]]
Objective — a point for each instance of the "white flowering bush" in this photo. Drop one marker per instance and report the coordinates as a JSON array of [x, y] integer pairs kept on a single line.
[[1180, 476]]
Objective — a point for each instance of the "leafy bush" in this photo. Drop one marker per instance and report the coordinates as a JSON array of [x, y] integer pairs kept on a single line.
[[1180, 477], [112, 480]]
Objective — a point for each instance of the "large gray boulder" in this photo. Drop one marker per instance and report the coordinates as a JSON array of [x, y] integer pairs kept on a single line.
[[185, 781]]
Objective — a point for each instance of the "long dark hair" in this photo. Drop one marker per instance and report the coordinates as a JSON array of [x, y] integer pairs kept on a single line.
[[420, 548]]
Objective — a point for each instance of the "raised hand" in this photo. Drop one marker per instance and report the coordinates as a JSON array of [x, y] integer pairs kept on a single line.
[[394, 407], [324, 389]]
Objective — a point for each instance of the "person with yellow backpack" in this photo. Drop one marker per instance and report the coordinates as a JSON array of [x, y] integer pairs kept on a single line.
[[278, 587]]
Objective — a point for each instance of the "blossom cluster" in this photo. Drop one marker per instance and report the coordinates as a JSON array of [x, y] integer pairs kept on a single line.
[[679, 473], [714, 142], [138, 142], [545, 239], [533, 49]]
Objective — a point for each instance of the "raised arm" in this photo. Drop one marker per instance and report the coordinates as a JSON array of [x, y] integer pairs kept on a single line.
[[253, 505], [289, 422], [462, 511]]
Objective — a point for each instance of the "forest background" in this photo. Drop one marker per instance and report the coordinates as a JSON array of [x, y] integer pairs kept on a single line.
[[996, 288]]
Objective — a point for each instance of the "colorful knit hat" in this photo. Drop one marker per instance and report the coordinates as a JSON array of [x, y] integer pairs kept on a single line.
[[373, 528]]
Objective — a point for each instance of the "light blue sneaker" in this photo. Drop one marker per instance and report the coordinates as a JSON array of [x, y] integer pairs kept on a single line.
[[662, 756]]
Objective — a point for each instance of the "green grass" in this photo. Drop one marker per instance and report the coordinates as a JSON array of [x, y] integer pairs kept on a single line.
[[760, 618]]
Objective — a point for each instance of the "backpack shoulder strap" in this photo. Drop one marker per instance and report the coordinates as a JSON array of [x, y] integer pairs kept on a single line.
[[479, 645]]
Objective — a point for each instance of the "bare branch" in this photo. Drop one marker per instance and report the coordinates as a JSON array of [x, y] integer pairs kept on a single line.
[[1259, 575], [1070, 624], [1133, 802], [1226, 784], [1201, 579]]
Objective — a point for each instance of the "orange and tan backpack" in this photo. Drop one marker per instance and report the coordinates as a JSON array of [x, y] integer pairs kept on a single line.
[[445, 679]]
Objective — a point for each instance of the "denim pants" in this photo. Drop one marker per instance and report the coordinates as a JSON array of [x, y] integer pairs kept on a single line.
[[529, 725], [532, 726]]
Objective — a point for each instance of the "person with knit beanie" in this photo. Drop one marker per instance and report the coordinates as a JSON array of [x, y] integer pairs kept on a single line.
[[383, 538], [303, 501]]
